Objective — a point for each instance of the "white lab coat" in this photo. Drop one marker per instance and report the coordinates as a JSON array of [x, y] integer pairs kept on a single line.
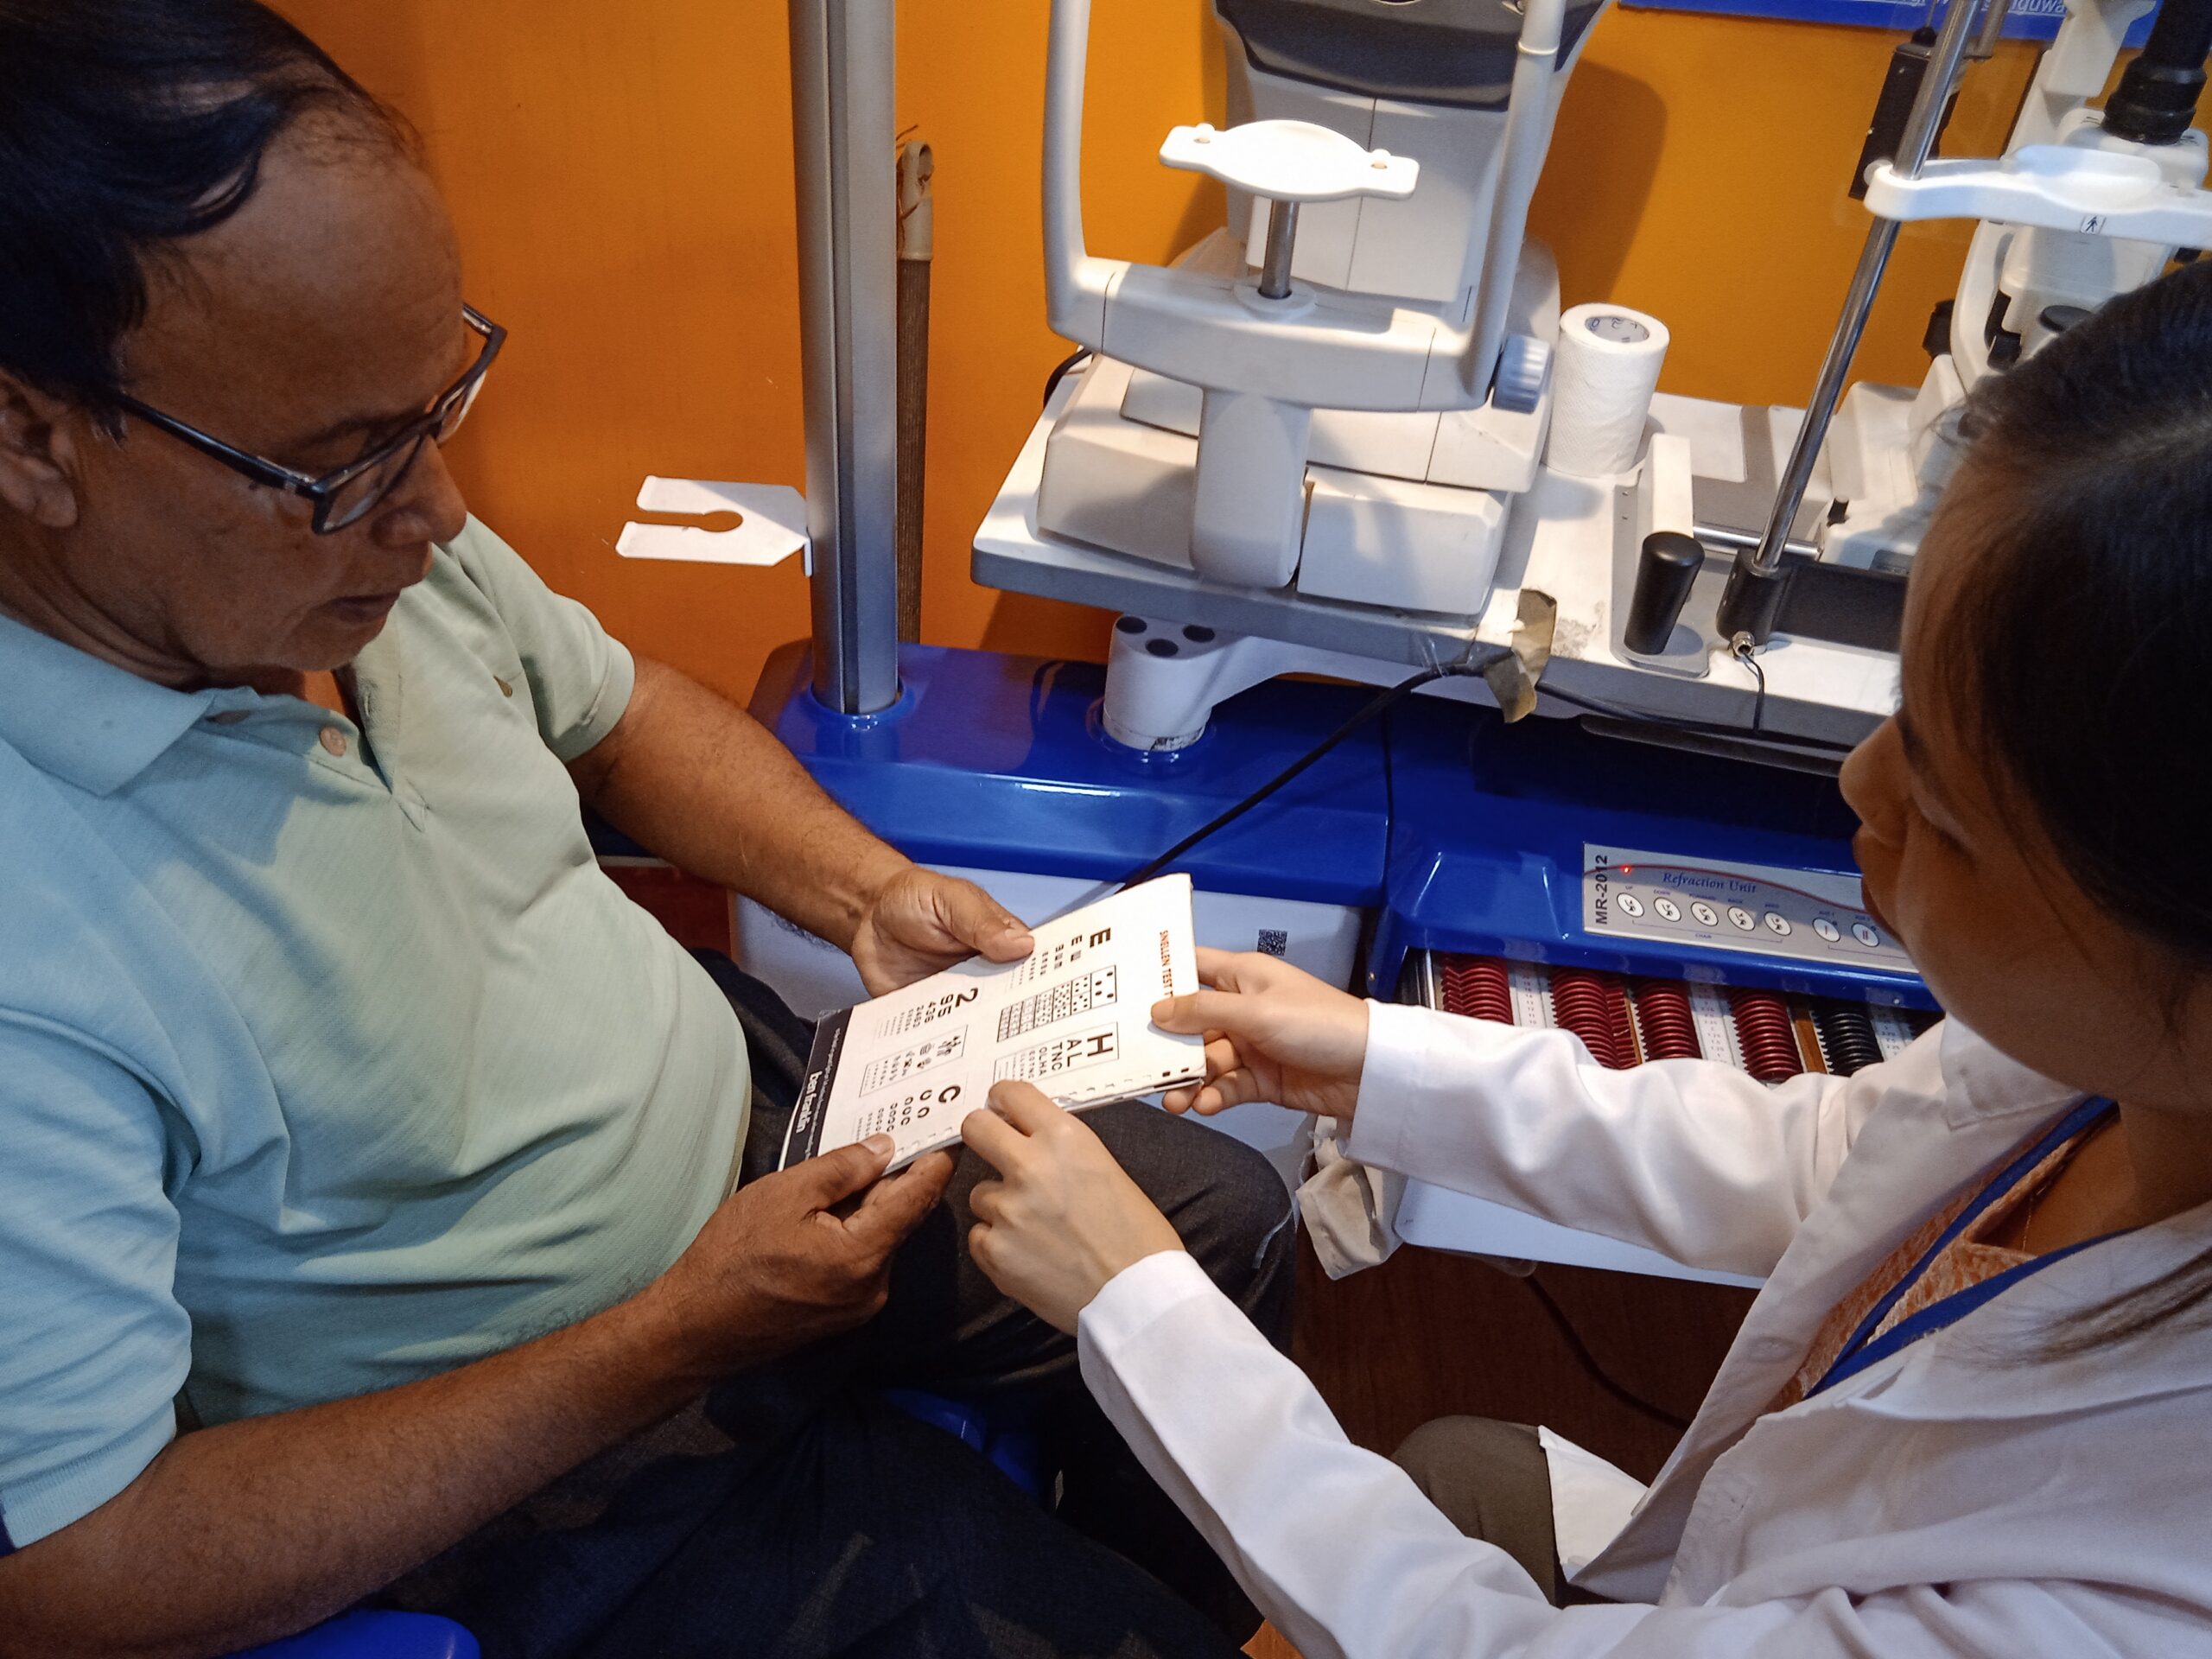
[[1970, 1496]]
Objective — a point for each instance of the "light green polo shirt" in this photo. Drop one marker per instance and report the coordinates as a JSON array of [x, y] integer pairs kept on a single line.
[[325, 1066]]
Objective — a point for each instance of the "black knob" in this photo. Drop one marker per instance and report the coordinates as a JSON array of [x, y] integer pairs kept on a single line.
[[1665, 569]]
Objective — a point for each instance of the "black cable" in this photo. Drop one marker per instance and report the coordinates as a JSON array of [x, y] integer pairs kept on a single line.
[[1063, 370], [1698, 727], [1385, 701], [1598, 1374], [1749, 659], [1380, 703]]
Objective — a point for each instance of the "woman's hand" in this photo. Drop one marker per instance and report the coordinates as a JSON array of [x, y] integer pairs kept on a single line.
[[1273, 1033], [1062, 1219]]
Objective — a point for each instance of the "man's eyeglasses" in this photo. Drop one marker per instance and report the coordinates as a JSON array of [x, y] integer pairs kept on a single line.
[[356, 489]]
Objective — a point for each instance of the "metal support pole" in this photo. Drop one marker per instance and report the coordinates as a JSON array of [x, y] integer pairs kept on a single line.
[[1282, 238], [1754, 596], [1993, 30], [842, 93], [917, 246]]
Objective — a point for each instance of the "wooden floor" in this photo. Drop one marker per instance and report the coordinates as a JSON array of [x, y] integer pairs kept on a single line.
[[1431, 1335]]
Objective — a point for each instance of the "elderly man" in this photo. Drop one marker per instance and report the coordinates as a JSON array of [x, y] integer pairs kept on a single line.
[[366, 1161]]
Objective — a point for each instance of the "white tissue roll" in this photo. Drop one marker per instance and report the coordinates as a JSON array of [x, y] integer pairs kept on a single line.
[[1605, 371]]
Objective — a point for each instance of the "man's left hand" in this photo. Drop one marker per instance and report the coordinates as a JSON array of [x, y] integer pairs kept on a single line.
[[921, 922]]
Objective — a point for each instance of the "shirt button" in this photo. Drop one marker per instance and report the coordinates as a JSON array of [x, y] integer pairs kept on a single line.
[[505, 691], [334, 739]]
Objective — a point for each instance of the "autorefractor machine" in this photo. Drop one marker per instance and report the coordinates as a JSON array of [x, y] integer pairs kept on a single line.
[[1622, 638]]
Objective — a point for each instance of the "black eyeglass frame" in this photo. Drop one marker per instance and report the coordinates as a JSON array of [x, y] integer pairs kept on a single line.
[[324, 490]]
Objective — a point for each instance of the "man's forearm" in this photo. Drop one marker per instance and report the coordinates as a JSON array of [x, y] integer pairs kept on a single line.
[[241, 1534], [703, 785]]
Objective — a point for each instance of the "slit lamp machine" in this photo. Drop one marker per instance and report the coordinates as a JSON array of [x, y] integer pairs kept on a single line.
[[1354, 433]]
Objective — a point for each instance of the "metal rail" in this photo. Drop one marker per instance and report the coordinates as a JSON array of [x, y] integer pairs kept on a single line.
[[1753, 594], [844, 161]]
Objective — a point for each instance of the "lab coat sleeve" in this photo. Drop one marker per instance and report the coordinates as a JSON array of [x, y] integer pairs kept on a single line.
[[1692, 1158], [1342, 1553]]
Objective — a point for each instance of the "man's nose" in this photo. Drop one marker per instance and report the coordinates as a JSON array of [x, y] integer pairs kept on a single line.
[[428, 506]]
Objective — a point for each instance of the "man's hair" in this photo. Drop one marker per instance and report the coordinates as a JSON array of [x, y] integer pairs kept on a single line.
[[126, 127]]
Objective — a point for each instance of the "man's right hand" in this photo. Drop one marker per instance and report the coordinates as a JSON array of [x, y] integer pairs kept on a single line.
[[1273, 1033], [787, 1260], [230, 1538]]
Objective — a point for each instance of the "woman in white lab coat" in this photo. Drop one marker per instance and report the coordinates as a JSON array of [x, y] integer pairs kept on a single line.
[[1968, 1414]]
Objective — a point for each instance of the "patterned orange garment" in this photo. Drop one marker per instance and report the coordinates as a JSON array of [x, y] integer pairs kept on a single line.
[[1967, 1260]]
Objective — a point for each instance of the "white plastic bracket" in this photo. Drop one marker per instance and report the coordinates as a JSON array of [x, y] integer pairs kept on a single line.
[[770, 527], [1290, 161], [2055, 186]]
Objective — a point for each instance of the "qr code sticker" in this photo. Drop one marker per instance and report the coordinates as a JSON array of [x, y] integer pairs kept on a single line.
[[1273, 942], [1063, 1002], [885, 1070], [1058, 1056]]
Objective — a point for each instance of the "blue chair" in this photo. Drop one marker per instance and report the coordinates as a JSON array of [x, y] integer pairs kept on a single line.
[[1010, 1445], [365, 1635], [1006, 1438]]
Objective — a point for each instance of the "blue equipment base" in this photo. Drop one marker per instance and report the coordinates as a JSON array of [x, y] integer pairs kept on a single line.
[[1489, 823], [997, 762], [1465, 833]]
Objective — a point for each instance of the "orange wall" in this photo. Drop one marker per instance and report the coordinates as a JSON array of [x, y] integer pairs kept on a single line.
[[621, 176]]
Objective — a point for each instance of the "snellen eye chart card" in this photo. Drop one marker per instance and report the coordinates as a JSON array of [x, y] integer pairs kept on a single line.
[[1074, 1018]]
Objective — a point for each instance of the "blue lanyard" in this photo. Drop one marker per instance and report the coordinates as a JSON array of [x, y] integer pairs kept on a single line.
[[1865, 1349]]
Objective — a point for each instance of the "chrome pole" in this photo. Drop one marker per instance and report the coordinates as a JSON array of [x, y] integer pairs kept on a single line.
[[845, 164], [1283, 240], [1754, 591]]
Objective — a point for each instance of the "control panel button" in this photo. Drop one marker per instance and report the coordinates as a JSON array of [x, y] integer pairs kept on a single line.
[[1865, 935], [1742, 918], [1667, 908], [1827, 929], [1629, 904], [1777, 923], [1706, 916]]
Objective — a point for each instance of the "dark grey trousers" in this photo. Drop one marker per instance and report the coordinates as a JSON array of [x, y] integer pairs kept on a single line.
[[797, 1514]]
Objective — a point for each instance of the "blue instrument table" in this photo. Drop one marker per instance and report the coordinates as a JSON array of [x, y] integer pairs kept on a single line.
[[1495, 830], [997, 762]]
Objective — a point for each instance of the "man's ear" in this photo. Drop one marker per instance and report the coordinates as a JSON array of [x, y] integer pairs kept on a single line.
[[38, 452]]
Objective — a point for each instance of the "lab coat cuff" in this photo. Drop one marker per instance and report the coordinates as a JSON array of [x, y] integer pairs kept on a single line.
[[1137, 1297], [1399, 1085]]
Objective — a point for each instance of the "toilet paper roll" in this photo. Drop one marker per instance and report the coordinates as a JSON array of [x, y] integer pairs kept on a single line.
[[1606, 370]]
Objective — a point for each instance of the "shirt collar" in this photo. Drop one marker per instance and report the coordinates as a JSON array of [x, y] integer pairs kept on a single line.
[[1981, 1083], [83, 721]]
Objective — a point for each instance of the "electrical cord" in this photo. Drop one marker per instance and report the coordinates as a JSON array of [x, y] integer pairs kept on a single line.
[[1810, 746], [1380, 703], [1061, 371], [1750, 659], [1598, 1374], [1383, 702]]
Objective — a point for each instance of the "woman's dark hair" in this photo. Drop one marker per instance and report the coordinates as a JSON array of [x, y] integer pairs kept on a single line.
[[126, 127], [2079, 655]]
